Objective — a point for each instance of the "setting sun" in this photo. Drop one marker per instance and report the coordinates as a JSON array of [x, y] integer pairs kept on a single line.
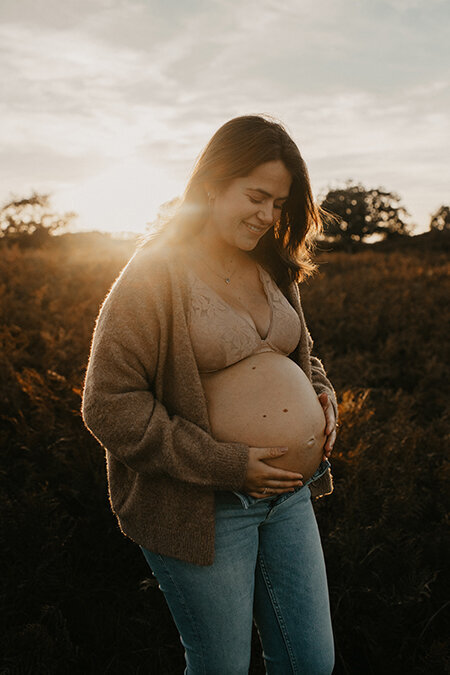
[[123, 198]]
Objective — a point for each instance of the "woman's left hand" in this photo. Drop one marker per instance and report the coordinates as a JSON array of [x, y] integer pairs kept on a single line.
[[330, 428]]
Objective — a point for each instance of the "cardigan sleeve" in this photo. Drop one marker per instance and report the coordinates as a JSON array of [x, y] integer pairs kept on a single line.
[[319, 378], [120, 409], [320, 381]]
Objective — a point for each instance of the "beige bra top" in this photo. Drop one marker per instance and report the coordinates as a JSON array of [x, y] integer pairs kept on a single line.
[[221, 336]]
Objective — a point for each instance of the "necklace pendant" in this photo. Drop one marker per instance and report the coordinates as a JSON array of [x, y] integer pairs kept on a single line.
[[227, 280]]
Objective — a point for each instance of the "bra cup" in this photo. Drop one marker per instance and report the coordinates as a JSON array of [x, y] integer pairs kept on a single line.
[[221, 336]]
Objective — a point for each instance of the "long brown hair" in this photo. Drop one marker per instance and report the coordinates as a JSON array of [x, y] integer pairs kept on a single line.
[[234, 151]]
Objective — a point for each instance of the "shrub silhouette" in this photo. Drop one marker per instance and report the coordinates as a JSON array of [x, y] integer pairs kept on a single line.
[[358, 213], [30, 221], [440, 220]]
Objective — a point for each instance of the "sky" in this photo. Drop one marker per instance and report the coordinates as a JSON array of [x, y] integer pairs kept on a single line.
[[106, 104]]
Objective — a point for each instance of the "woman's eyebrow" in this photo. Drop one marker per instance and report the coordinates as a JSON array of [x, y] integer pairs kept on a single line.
[[267, 194]]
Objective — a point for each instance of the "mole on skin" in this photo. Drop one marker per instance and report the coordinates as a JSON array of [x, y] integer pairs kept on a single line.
[[236, 402]]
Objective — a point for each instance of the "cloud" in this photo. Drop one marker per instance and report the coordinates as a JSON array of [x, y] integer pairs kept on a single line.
[[47, 165], [405, 5], [69, 92], [92, 84]]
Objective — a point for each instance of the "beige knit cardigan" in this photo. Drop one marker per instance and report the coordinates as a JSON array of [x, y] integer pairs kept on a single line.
[[143, 401]]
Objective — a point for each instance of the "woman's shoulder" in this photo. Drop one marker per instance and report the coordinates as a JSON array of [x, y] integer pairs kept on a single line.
[[142, 281], [150, 255], [149, 265]]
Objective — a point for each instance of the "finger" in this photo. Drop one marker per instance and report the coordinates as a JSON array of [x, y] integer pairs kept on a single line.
[[329, 428], [274, 473], [329, 413], [327, 454], [270, 452], [325, 402], [330, 441], [260, 494], [277, 473], [330, 420], [276, 484]]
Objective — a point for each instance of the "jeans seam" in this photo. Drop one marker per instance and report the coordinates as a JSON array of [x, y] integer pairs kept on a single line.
[[286, 496], [242, 499], [278, 613], [186, 609]]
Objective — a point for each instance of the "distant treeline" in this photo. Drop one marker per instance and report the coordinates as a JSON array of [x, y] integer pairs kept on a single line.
[[351, 215]]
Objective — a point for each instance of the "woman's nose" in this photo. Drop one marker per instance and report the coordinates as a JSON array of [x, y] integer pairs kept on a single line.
[[265, 214]]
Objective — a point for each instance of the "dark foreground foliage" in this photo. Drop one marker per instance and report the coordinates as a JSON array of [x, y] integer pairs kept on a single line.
[[78, 597]]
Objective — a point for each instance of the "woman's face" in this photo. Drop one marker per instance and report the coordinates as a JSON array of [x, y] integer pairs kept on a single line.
[[250, 206]]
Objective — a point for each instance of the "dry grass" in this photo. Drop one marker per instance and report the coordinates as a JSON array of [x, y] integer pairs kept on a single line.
[[76, 596]]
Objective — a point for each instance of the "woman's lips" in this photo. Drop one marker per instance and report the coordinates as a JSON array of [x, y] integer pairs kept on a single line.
[[256, 230]]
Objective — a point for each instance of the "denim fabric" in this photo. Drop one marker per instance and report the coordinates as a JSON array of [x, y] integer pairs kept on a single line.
[[268, 568]]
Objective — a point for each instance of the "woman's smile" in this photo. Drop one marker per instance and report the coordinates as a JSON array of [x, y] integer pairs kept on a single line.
[[254, 228]]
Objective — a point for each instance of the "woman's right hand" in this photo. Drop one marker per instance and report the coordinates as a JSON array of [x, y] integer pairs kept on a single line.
[[263, 480]]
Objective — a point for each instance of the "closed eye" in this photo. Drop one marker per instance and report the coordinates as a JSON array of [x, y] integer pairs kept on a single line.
[[256, 201]]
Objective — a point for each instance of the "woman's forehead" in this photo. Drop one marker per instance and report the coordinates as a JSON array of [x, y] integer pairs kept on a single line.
[[271, 179]]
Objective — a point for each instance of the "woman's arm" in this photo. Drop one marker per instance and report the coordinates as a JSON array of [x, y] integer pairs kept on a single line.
[[320, 381], [319, 378], [321, 384], [120, 408], [327, 397]]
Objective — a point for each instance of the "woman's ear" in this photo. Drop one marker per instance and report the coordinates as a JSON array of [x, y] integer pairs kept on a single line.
[[210, 191]]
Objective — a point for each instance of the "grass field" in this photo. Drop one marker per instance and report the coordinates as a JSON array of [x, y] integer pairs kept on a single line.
[[77, 596]]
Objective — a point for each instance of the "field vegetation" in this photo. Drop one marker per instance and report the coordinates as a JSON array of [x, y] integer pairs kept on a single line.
[[78, 597]]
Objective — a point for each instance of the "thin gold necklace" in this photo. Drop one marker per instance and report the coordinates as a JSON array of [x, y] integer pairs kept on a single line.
[[227, 279]]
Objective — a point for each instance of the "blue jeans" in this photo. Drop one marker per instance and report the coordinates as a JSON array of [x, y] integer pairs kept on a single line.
[[268, 567]]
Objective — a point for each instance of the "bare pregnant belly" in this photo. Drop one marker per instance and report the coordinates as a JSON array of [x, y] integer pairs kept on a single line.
[[267, 400]]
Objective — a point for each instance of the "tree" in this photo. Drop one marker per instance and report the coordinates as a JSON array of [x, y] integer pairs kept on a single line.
[[440, 221], [361, 213], [31, 220]]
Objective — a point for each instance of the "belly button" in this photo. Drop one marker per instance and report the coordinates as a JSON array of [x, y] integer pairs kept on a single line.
[[285, 410], [311, 441]]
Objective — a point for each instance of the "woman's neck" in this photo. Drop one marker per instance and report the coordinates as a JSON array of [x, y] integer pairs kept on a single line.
[[218, 251]]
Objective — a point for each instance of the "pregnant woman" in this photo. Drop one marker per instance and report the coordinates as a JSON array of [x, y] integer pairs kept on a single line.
[[217, 421]]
